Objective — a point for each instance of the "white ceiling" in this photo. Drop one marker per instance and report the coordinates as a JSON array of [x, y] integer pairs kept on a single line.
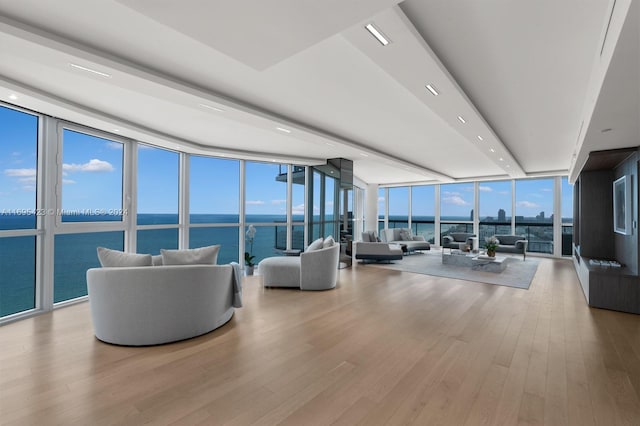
[[524, 75]]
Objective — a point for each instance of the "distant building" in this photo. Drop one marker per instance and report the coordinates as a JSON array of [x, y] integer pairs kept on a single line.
[[502, 215], [471, 215], [540, 216]]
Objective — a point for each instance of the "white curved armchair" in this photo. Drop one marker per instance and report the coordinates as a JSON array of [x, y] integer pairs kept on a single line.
[[313, 270]]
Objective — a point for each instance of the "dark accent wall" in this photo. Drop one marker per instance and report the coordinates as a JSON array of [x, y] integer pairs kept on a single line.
[[626, 246], [596, 214]]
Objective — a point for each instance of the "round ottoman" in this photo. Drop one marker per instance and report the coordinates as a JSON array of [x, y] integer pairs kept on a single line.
[[280, 271]]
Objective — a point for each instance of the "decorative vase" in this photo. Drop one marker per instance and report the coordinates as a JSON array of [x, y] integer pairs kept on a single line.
[[248, 270], [491, 253]]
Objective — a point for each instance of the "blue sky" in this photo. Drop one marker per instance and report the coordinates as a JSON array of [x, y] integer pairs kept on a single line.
[[92, 179]]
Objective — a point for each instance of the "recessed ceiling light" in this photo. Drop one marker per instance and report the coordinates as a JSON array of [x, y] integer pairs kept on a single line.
[[377, 34], [608, 129], [507, 166], [13, 97], [480, 138], [432, 89], [116, 130], [100, 73], [282, 129], [492, 150], [501, 159], [212, 107], [364, 155], [462, 120]]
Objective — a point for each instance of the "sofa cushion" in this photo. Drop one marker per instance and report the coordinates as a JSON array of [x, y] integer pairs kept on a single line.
[[509, 240], [328, 242], [156, 260], [405, 235], [316, 245], [116, 258], [199, 256]]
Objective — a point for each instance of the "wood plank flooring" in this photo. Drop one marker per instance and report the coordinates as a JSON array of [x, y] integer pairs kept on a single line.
[[385, 347]]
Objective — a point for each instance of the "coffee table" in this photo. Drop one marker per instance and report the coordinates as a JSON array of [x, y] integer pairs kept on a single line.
[[474, 261]]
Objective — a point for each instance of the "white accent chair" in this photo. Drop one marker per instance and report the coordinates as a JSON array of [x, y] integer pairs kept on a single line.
[[312, 270], [151, 305]]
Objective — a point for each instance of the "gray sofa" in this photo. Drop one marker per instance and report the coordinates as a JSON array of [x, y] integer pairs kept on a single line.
[[512, 244], [371, 248], [455, 239], [403, 236]]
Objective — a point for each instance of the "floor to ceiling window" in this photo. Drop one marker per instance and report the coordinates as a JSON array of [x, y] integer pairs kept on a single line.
[[567, 217], [158, 199], [214, 205], [423, 212], [265, 208], [18, 213], [495, 210], [91, 175], [398, 207], [534, 213], [456, 208]]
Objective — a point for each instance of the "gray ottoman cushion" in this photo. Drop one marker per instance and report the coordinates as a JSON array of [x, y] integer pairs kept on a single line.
[[280, 271]]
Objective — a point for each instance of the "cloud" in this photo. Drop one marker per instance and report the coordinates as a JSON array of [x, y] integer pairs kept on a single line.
[[114, 145], [276, 202], [20, 172], [299, 209], [527, 204], [504, 192], [485, 188], [254, 202], [28, 179], [29, 188], [68, 181], [94, 165], [455, 200], [450, 194], [546, 190], [381, 199], [15, 154]]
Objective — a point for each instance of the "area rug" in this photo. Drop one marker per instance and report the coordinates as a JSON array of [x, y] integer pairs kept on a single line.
[[518, 273]]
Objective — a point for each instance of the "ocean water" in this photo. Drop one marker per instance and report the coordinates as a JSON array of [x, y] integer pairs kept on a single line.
[[75, 253]]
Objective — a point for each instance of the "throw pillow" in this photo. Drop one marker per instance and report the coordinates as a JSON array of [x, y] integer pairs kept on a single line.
[[199, 256], [316, 245], [115, 258], [405, 235], [156, 260], [328, 242]]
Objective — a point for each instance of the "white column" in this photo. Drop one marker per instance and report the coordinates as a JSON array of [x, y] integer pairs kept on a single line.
[[371, 209], [557, 216]]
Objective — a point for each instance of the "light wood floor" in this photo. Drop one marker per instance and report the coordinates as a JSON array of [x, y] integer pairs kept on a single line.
[[383, 348]]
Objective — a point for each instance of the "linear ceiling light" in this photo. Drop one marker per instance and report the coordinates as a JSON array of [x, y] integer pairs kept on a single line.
[[377, 34], [432, 89], [282, 129], [212, 107], [13, 97], [462, 120], [492, 150], [364, 155], [480, 138], [100, 73]]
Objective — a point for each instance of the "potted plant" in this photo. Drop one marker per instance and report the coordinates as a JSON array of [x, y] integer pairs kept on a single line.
[[491, 244], [248, 255]]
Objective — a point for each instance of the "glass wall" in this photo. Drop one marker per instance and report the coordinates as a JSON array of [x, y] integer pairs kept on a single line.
[[567, 217], [456, 208], [325, 217], [534, 213], [382, 208], [91, 178], [399, 207], [158, 181], [297, 211], [18, 214], [423, 211], [495, 199], [266, 203], [214, 205]]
